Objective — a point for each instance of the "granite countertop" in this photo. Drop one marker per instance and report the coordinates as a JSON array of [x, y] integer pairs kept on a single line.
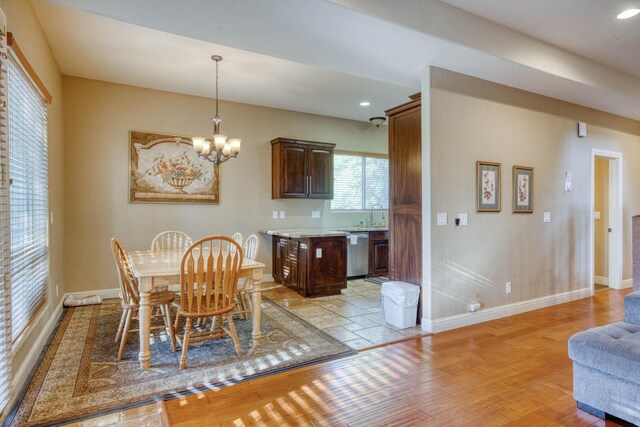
[[300, 233]]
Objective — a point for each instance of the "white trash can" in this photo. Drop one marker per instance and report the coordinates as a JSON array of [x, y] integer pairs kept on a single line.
[[400, 303]]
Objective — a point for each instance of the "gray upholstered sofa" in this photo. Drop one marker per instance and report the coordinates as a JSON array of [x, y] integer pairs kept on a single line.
[[606, 366]]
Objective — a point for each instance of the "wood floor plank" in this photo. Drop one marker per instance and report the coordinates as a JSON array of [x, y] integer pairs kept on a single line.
[[511, 371]]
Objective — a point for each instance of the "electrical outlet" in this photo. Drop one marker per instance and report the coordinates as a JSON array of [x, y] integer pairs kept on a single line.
[[318, 252], [596, 215], [315, 214], [275, 214], [442, 218], [547, 217], [464, 219], [281, 214], [507, 288], [51, 217]]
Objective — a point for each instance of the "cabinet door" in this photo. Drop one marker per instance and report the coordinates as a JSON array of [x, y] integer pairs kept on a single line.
[[320, 172], [279, 246], [327, 266], [378, 254], [292, 264], [293, 173]]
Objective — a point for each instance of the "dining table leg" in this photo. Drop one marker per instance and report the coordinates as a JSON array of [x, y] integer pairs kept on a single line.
[[256, 304], [144, 356]]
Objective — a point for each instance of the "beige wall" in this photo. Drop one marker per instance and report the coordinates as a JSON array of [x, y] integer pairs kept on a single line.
[[98, 117], [472, 120], [22, 22], [601, 204]]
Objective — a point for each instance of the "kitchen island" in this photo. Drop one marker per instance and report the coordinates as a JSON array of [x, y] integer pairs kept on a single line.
[[314, 261]]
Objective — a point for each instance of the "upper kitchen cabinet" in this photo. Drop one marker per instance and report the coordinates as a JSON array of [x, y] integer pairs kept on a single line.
[[301, 169]]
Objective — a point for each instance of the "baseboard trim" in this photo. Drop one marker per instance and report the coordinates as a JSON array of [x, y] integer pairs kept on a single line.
[[627, 283], [600, 280], [485, 315]]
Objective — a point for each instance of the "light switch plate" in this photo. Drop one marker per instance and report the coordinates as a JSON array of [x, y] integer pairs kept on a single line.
[[275, 214], [547, 217], [281, 214], [464, 219], [442, 218], [596, 215], [315, 214], [318, 252]]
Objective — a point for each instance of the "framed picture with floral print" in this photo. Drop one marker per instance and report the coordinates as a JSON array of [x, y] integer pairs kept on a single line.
[[165, 168], [522, 189], [488, 182]]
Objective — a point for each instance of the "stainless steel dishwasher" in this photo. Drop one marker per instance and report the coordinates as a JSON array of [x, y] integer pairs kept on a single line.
[[357, 255]]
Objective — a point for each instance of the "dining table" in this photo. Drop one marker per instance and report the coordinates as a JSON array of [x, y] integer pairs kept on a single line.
[[149, 266]]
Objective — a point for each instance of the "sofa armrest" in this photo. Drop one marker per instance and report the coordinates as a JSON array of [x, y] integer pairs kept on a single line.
[[632, 308]]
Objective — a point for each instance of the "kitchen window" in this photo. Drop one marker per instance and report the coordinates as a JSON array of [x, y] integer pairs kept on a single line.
[[361, 180]]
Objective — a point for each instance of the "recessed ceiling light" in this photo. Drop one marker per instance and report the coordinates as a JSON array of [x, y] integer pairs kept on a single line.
[[629, 13], [365, 103]]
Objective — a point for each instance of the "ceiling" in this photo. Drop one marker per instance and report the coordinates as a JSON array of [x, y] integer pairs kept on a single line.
[[587, 27], [319, 56]]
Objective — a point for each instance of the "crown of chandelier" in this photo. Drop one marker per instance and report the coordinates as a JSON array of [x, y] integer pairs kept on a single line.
[[220, 148]]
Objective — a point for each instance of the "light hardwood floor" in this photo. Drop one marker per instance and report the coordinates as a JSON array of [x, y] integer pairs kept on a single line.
[[513, 371]]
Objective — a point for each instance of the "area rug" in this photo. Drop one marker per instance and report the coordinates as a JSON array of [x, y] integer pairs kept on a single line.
[[377, 280], [79, 373]]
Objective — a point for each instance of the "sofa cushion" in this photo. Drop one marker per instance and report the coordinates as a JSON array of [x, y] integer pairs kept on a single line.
[[613, 349], [632, 308]]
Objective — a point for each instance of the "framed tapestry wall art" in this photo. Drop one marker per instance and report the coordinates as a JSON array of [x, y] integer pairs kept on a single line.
[[488, 191], [165, 168]]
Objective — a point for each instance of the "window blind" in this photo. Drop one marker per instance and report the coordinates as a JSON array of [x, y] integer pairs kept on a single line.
[[5, 287], [28, 197], [360, 181]]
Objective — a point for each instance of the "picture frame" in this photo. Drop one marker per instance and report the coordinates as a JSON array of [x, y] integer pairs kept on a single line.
[[523, 191], [164, 168], [488, 186]]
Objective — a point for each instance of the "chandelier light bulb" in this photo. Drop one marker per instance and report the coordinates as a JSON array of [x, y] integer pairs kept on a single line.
[[220, 140], [198, 143], [235, 145]]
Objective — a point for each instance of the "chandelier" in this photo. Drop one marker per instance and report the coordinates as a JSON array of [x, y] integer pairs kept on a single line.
[[221, 148]]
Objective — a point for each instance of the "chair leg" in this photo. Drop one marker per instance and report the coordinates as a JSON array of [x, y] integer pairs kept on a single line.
[[244, 306], [176, 325], [125, 332], [169, 324], [185, 343], [121, 325], [234, 334]]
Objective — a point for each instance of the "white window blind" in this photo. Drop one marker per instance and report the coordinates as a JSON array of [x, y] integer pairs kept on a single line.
[[28, 198], [360, 181], [5, 286]]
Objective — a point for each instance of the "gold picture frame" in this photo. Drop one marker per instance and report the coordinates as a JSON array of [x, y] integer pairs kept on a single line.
[[488, 186], [522, 189], [164, 168]]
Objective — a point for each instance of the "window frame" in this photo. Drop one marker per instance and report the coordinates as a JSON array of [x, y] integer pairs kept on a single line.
[[362, 154], [17, 55]]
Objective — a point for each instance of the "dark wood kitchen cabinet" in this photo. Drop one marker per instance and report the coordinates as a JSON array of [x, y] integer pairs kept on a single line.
[[301, 169], [378, 253], [313, 266]]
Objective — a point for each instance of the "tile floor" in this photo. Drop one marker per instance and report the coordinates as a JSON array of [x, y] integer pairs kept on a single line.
[[354, 317]]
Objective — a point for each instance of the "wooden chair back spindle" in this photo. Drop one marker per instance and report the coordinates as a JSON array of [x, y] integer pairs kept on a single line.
[[168, 240], [251, 247], [209, 276], [127, 280]]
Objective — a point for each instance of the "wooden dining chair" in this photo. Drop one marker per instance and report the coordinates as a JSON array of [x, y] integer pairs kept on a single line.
[[208, 280], [130, 300], [171, 240], [250, 250], [168, 240]]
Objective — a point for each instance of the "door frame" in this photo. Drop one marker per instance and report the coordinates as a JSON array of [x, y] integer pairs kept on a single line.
[[615, 218]]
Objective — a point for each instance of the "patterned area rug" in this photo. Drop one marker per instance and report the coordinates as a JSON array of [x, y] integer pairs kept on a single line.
[[79, 374], [377, 280]]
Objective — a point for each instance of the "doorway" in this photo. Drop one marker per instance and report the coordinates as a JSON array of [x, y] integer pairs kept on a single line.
[[606, 220]]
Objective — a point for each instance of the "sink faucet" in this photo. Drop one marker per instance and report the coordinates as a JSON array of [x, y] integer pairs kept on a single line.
[[371, 214]]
